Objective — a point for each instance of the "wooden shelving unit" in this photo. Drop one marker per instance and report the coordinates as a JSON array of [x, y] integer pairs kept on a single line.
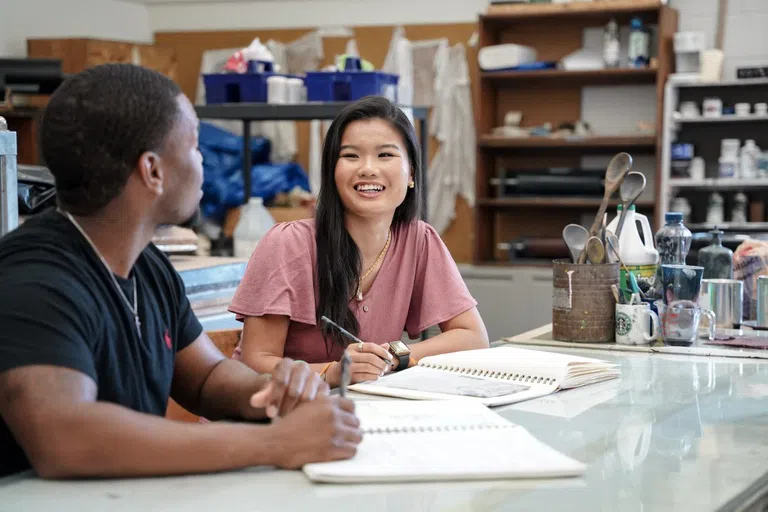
[[554, 96]]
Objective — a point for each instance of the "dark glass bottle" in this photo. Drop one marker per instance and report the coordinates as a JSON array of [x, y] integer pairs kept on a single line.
[[716, 259]]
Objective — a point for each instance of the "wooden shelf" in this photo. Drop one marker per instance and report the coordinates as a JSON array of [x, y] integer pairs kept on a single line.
[[628, 76], [630, 142], [551, 202], [620, 9]]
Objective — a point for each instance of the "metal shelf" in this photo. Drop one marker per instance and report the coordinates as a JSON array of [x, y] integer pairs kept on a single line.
[[729, 83], [749, 226], [250, 112]]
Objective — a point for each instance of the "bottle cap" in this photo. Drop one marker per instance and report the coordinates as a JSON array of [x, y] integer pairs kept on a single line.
[[673, 217], [620, 207]]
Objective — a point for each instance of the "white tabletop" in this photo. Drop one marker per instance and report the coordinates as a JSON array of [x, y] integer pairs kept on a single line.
[[676, 432]]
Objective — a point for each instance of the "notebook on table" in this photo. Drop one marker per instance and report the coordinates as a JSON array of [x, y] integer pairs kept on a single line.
[[406, 441], [492, 376]]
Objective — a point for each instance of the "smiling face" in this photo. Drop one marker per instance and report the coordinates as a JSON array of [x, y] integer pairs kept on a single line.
[[373, 170]]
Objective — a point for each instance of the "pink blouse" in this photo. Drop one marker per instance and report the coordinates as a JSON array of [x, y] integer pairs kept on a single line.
[[418, 286]]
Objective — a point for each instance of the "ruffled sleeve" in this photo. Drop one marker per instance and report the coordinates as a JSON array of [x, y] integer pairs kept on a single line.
[[279, 278]]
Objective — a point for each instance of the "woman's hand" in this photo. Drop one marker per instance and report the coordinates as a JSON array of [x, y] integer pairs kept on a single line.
[[369, 362]]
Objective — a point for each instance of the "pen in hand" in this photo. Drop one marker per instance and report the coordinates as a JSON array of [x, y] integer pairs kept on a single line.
[[345, 377]]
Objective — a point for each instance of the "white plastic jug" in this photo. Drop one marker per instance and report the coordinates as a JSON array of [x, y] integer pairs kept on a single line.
[[638, 254], [254, 223]]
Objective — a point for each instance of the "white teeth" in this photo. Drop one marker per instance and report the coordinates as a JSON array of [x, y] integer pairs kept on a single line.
[[369, 188]]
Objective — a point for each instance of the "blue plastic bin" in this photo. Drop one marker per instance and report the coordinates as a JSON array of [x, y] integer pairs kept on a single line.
[[350, 85], [249, 87]]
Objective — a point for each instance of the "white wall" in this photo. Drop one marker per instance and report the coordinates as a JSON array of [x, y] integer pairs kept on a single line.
[[107, 19], [313, 13]]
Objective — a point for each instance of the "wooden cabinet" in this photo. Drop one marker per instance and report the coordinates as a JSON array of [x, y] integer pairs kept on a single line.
[[79, 54]]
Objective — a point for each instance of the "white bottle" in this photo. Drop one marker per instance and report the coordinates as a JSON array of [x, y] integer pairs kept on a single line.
[[254, 223], [715, 210], [739, 211], [748, 157], [638, 254]]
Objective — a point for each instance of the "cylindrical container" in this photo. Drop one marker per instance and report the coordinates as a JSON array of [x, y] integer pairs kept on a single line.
[[762, 301], [583, 306], [295, 90], [725, 298], [277, 89]]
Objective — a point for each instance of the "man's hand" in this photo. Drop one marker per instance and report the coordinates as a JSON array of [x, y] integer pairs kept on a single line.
[[324, 430], [292, 383]]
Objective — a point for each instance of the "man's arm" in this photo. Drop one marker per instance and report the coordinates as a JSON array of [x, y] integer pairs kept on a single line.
[[208, 384], [53, 414]]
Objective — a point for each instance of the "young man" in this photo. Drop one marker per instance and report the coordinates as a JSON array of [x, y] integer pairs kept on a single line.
[[96, 331]]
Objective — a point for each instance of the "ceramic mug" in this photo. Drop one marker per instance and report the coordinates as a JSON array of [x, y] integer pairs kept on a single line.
[[636, 324]]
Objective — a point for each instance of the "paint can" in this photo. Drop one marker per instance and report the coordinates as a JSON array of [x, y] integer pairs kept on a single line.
[[583, 306]]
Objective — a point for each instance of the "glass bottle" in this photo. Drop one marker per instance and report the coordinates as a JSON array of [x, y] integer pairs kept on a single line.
[[673, 241], [716, 259]]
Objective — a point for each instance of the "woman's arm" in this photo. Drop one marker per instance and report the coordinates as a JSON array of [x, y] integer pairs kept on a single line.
[[263, 343], [465, 331]]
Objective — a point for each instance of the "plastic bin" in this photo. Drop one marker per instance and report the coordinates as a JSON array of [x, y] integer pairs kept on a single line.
[[350, 85], [248, 87]]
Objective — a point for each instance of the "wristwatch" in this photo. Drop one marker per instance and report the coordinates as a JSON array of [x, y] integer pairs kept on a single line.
[[401, 353]]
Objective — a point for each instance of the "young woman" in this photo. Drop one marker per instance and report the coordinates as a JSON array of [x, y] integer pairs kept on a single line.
[[366, 262]]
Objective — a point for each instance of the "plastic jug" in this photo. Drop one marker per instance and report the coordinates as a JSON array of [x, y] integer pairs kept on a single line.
[[638, 254], [254, 223]]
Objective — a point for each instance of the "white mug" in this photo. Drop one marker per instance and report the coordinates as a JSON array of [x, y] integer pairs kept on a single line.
[[636, 324]]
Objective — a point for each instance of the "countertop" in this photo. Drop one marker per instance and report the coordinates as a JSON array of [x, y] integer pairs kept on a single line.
[[676, 432]]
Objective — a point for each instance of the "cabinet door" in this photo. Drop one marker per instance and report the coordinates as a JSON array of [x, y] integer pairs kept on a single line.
[[539, 299], [103, 52], [161, 59], [500, 303]]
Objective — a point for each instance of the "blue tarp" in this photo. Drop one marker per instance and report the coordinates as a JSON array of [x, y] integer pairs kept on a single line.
[[223, 176]]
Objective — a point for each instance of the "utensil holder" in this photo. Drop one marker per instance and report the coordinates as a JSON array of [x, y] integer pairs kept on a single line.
[[583, 306]]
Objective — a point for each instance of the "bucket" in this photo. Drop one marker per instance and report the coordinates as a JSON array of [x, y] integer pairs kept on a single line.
[[583, 306]]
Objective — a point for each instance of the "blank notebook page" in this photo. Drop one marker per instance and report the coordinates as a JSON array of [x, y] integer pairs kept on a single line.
[[442, 440]]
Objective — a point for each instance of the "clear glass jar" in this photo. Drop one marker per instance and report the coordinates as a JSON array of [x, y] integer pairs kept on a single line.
[[673, 241], [716, 259]]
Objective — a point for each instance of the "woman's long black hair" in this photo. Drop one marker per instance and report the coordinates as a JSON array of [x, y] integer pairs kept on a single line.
[[338, 257]]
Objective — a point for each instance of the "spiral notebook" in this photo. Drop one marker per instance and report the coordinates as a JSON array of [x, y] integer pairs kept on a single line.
[[405, 441], [493, 376]]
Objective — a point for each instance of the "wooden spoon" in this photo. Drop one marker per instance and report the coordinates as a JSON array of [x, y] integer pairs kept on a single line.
[[595, 250], [617, 169], [631, 188]]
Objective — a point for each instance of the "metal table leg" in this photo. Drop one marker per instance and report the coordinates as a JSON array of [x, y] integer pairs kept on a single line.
[[247, 163]]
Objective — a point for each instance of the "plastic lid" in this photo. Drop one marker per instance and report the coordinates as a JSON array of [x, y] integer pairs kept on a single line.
[[673, 217], [636, 23], [621, 207], [256, 200]]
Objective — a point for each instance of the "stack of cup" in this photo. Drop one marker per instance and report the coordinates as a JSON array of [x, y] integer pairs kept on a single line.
[[679, 310]]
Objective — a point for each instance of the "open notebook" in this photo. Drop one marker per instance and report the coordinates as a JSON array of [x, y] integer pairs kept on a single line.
[[406, 441], [493, 376]]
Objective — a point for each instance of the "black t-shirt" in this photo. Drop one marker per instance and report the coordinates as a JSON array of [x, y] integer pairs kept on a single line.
[[59, 306]]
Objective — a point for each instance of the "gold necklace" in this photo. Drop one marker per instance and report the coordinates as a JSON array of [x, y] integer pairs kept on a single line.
[[368, 272]]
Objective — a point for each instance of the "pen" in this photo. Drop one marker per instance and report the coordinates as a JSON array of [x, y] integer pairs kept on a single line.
[[345, 361], [343, 331]]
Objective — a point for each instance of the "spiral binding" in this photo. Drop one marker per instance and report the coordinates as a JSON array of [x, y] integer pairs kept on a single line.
[[427, 429], [516, 377]]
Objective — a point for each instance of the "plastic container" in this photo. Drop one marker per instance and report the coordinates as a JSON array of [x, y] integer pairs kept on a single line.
[[673, 241], [748, 160], [248, 87], [254, 223], [639, 44], [350, 85], [611, 45], [638, 254]]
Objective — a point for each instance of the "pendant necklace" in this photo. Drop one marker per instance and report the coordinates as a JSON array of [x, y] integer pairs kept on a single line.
[[368, 272], [133, 307]]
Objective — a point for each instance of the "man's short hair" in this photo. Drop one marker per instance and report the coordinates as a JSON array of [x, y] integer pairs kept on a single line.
[[96, 126]]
